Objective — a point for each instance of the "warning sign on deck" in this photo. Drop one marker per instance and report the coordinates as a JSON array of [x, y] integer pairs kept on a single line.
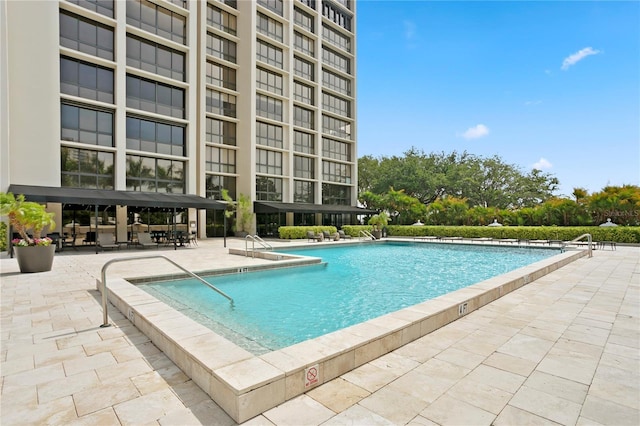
[[311, 376]]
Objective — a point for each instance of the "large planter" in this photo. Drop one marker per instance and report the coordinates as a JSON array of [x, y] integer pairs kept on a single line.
[[35, 258]]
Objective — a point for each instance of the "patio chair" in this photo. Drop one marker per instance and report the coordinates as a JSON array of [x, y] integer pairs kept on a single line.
[[314, 237], [343, 236], [107, 241], [144, 240]]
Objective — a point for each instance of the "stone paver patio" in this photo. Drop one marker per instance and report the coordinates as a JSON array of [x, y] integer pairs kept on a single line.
[[565, 349]]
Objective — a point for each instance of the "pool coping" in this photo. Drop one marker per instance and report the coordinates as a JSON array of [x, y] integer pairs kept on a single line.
[[246, 385]]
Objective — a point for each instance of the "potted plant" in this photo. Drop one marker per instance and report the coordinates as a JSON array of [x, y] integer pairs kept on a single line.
[[34, 253], [378, 221]]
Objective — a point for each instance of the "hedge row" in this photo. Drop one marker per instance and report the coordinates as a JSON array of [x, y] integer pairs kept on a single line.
[[620, 234], [300, 232]]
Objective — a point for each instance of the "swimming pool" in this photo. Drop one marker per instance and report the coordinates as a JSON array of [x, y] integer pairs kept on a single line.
[[277, 308]]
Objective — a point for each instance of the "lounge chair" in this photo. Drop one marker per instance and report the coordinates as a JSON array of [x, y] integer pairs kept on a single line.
[[313, 237], [326, 235], [107, 241], [343, 236], [144, 240]]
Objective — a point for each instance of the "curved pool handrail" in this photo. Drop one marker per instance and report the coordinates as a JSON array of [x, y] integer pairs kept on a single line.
[[103, 274]]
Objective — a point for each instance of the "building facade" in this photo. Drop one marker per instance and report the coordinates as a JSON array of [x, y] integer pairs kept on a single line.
[[181, 96]]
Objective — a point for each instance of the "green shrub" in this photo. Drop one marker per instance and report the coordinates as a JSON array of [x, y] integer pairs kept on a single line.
[[4, 244], [300, 232]]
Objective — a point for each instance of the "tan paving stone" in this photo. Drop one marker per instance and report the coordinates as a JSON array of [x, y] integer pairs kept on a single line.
[[99, 397], [358, 415], [393, 405], [66, 386], [526, 347], [452, 411], [370, 377], [511, 416], [500, 379], [57, 412], [33, 377], [557, 386], [609, 413], [480, 395], [422, 386], [302, 410], [511, 363], [338, 394], [147, 408], [123, 371], [102, 417], [459, 357], [545, 405], [89, 363]]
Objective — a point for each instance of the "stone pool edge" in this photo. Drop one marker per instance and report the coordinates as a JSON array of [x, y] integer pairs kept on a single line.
[[245, 385]]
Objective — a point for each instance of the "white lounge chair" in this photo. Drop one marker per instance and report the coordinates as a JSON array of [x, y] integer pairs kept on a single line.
[[107, 241], [144, 240]]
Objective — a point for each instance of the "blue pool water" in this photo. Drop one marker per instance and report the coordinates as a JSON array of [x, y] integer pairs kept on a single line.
[[277, 308]]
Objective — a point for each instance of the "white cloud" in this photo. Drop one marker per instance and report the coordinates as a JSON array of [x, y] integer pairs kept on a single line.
[[578, 56], [542, 164], [476, 132]]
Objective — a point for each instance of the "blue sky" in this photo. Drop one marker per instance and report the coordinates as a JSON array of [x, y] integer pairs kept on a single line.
[[546, 84]]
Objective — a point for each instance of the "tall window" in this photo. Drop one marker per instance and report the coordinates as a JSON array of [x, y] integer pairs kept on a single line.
[[103, 7], [303, 142], [156, 58], [336, 60], [303, 19], [269, 162], [149, 174], [83, 168], [86, 80], [269, 107], [221, 19], [303, 44], [216, 183], [221, 76], [152, 136], [303, 117], [336, 194], [273, 5], [336, 127], [303, 68], [268, 188], [269, 27], [337, 83], [157, 20], [336, 15], [86, 36], [336, 172], [220, 131], [335, 149], [268, 135], [269, 54], [221, 103], [86, 125], [303, 93], [220, 160], [336, 105], [336, 38], [149, 95], [221, 48], [304, 167], [304, 192], [269, 80]]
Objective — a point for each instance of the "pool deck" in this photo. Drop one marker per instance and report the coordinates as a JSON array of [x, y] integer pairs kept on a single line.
[[564, 349]]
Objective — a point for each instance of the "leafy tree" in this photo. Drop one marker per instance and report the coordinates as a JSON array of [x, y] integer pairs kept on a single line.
[[621, 204]]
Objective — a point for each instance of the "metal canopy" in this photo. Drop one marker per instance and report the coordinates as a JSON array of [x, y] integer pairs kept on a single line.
[[274, 207], [104, 197]]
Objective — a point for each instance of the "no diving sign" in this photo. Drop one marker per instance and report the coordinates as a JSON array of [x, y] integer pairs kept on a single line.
[[311, 376]]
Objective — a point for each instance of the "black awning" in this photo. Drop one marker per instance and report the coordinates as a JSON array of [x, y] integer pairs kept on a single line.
[[104, 197], [274, 207]]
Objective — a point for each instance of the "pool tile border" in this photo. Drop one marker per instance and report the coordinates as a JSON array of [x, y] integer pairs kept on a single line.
[[245, 385]]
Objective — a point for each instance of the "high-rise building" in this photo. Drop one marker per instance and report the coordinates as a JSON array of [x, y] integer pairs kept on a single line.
[[182, 97]]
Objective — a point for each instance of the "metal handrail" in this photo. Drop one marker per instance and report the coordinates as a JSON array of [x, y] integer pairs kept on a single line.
[[590, 243], [153, 256], [253, 239], [366, 234]]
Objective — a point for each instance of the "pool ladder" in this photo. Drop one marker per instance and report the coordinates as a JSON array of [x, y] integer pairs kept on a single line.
[[254, 238], [366, 235], [105, 321]]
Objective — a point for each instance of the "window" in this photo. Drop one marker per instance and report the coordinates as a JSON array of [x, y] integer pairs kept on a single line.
[[269, 162], [220, 160], [336, 15], [303, 93], [304, 167], [83, 79], [337, 83], [222, 132], [273, 5], [155, 58], [303, 68], [269, 27], [216, 183], [83, 168], [336, 60], [268, 188], [221, 19], [86, 125], [221, 76], [336, 127], [103, 7], [336, 38], [268, 107], [221, 103], [336, 172], [86, 36], [157, 20], [303, 19], [269, 54], [152, 136], [268, 135], [149, 174], [303, 117], [269, 80], [180, 3], [230, 3], [303, 44], [310, 3], [303, 142], [304, 192], [345, 3], [221, 48], [336, 194], [336, 105], [152, 96], [335, 149]]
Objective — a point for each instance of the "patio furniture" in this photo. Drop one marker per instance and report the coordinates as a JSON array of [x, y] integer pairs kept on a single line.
[[343, 236], [107, 241], [314, 237], [144, 240]]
